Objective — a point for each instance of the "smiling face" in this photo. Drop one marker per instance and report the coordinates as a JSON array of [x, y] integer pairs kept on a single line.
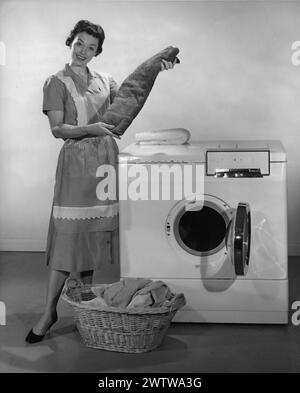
[[83, 49]]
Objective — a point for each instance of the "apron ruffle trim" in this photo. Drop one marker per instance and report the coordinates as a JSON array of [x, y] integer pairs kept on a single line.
[[83, 213]]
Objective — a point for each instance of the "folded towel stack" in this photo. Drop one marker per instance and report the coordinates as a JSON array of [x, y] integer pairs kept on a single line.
[[168, 136]]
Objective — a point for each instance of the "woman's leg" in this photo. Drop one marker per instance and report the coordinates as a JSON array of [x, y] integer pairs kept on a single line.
[[87, 276], [56, 282]]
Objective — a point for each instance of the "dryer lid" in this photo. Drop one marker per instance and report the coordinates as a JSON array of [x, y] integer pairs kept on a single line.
[[195, 151]]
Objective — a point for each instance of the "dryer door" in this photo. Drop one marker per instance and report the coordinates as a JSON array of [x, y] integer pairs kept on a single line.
[[238, 239]]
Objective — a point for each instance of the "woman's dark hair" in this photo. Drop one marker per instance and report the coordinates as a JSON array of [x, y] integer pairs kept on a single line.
[[89, 28]]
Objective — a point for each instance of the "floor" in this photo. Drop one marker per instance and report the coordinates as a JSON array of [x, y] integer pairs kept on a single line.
[[203, 348]]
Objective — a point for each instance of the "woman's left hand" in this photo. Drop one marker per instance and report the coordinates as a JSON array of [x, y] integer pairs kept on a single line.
[[167, 65]]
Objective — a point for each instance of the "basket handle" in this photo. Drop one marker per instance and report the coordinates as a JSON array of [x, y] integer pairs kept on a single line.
[[177, 302]]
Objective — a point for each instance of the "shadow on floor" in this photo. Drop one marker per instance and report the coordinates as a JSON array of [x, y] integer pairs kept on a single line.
[[65, 340]]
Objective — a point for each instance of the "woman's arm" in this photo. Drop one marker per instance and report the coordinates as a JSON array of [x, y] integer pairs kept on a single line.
[[65, 131]]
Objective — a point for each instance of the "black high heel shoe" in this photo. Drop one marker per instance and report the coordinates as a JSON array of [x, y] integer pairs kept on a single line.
[[33, 338]]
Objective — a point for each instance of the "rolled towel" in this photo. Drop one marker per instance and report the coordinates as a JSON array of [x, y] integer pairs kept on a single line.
[[169, 136], [134, 91]]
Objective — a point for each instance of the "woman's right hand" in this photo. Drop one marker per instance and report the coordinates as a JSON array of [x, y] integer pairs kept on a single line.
[[102, 129]]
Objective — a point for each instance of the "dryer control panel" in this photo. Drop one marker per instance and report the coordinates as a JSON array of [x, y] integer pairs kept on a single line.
[[230, 163]]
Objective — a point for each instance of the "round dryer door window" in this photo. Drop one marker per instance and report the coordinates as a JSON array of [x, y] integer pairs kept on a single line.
[[238, 238], [202, 231], [211, 229]]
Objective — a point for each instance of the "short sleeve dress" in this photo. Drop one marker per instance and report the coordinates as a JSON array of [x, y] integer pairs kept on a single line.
[[83, 227]]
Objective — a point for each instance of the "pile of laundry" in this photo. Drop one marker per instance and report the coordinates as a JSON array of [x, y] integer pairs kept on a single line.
[[131, 293]]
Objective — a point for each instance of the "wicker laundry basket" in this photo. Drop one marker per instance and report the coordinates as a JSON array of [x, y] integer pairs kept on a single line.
[[119, 329]]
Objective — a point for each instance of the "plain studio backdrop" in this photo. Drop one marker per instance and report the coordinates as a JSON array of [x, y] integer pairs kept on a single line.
[[236, 80]]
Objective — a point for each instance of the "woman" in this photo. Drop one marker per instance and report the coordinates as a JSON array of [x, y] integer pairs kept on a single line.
[[83, 228]]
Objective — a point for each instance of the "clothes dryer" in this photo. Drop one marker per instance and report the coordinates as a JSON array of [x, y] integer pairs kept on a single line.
[[223, 243]]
